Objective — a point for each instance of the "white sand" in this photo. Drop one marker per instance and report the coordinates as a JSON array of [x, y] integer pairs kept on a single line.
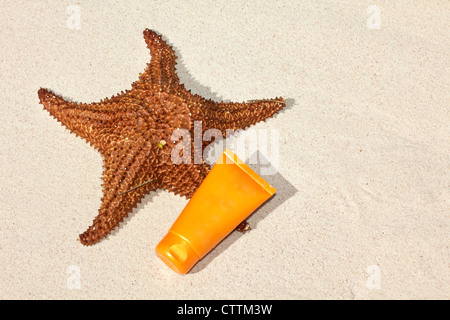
[[363, 182]]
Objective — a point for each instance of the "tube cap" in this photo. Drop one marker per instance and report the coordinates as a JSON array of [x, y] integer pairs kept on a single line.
[[177, 253]]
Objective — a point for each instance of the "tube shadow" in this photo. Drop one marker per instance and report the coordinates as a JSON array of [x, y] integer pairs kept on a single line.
[[285, 190]]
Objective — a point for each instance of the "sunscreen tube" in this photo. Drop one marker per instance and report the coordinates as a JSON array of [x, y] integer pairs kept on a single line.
[[227, 196]]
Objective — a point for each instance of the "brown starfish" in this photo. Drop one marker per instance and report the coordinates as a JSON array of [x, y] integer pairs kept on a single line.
[[128, 130]]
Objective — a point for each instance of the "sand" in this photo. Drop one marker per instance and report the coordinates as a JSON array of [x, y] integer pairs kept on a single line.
[[363, 202]]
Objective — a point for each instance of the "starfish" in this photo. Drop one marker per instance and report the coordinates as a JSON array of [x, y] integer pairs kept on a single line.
[[128, 130]]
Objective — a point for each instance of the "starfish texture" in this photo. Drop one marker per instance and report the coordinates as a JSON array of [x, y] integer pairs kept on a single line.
[[127, 129]]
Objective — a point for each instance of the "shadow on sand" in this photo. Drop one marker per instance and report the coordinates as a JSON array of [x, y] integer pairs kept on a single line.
[[285, 190]]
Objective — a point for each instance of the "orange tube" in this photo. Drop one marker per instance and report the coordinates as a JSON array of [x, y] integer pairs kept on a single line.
[[229, 194]]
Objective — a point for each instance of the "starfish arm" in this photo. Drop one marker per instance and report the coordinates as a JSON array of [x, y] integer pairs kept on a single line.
[[97, 123], [161, 69], [184, 179], [231, 115], [127, 178]]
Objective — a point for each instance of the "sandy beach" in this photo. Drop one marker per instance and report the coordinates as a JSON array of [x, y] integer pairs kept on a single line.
[[361, 150]]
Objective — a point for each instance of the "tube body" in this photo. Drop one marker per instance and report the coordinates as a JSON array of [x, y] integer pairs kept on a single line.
[[229, 194]]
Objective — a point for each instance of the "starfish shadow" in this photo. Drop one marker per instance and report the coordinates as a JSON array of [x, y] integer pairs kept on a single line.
[[290, 102], [196, 87], [190, 82], [285, 190]]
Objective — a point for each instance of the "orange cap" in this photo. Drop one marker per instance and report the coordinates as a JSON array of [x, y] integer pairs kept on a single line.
[[177, 253]]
